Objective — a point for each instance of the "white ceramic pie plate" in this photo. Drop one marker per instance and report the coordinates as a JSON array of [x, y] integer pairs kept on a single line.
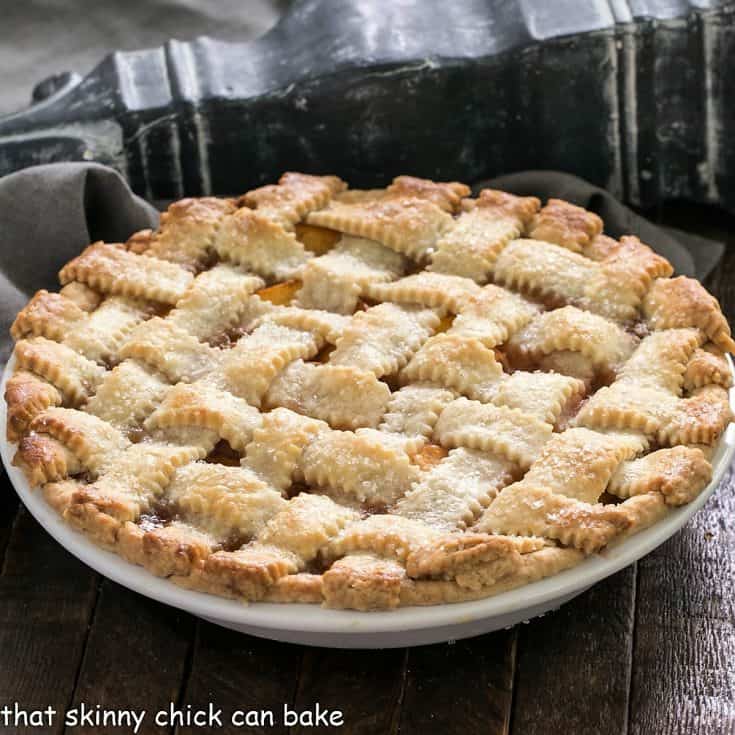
[[313, 625]]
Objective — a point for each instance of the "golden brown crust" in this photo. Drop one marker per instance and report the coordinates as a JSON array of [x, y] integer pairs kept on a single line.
[[699, 419], [294, 196], [363, 582], [705, 367], [27, 395], [683, 302], [82, 295], [59, 494], [185, 232], [47, 315], [455, 555], [110, 268], [165, 551], [44, 459], [325, 481], [565, 224], [543, 563], [501, 202], [139, 241], [74, 375], [448, 196], [679, 474]]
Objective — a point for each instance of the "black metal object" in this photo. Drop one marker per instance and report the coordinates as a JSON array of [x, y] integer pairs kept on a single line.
[[634, 95]]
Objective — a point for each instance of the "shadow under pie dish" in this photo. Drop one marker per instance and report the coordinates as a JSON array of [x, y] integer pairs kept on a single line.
[[368, 398]]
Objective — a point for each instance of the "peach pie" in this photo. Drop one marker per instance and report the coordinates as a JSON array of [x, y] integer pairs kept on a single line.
[[368, 398]]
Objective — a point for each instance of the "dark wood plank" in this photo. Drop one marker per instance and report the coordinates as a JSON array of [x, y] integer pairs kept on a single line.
[[234, 671], [135, 657], [685, 632], [47, 601], [366, 686], [684, 637], [463, 688], [8, 512], [573, 665]]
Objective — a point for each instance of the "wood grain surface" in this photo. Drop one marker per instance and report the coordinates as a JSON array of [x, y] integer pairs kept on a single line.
[[649, 651]]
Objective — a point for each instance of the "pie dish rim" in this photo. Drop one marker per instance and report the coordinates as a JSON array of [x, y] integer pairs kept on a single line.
[[304, 617]]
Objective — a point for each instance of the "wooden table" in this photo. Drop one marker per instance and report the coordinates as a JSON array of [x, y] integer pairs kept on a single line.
[[649, 651]]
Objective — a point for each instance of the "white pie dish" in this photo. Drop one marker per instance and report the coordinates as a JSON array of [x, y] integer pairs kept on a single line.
[[314, 625]]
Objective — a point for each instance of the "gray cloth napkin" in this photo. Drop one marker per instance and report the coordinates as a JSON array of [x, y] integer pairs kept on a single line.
[[48, 214]]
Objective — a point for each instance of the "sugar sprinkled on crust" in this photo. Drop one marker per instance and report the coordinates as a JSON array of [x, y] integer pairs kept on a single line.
[[368, 399]]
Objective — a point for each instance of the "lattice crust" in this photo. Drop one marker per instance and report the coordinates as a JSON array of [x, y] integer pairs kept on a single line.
[[539, 268], [679, 474], [289, 541], [127, 395], [294, 196], [256, 242], [383, 338], [111, 269], [578, 462], [526, 509], [546, 396], [27, 395], [492, 316], [97, 334], [706, 366], [250, 366], [45, 459], [203, 404], [699, 419], [488, 223], [455, 362], [171, 350], [645, 396], [127, 489], [436, 290], [367, 465], [565, 224], [375, 434], [447, 196], [224, 502], [439, 501], [344, 397], [187, 230], [473, 560], [74, 375], [612, 288], [683, 302], [625, 276], [660, 360], [217, 300], [569, 328], [513, 434], [50, 315], [324, 325], [102, 334], [414, 410], [95, 443], [402, 217], [530, 568], [277, 445], [387, 535], [335, 281]]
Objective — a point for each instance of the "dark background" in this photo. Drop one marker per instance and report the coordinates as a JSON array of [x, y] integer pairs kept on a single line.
[[43, 37]]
